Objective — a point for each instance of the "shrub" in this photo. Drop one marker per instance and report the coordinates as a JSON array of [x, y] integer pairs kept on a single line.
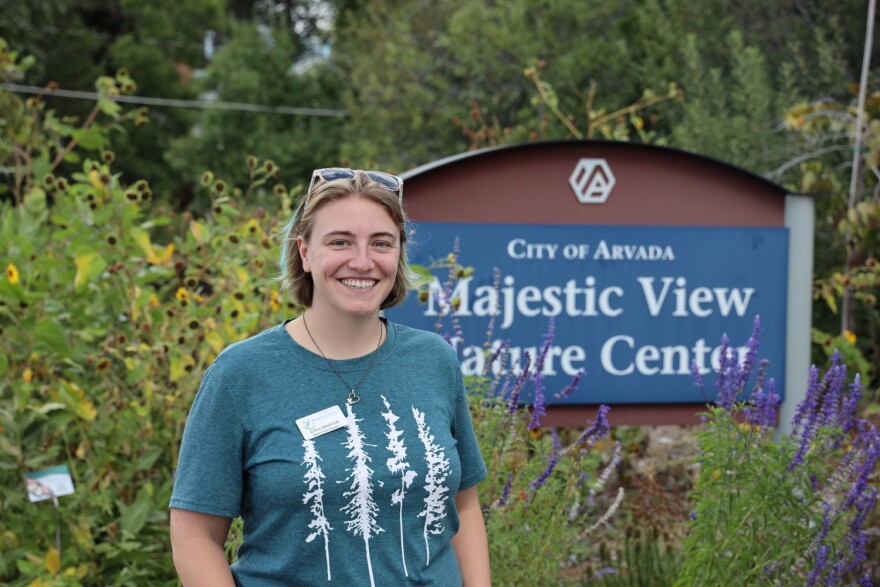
[[781, 511], [111, 307]]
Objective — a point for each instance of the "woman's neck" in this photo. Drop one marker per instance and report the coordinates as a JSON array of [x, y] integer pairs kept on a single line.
[[337, 337]]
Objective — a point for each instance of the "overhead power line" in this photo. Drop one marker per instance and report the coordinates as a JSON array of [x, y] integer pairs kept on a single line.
[[173, 103]]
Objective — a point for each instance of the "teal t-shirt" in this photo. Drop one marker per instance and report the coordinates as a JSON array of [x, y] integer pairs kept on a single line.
[[371, 503]]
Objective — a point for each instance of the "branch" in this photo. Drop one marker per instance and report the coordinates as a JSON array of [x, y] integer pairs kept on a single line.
[[92, 115], [806, 157]]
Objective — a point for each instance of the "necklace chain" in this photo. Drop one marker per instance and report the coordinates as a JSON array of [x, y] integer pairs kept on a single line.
[[352, 397]]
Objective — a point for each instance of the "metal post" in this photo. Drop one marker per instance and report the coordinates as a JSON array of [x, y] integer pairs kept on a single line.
[[800, 221]]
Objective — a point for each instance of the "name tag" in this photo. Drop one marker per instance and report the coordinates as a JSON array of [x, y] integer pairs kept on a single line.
[[327, 420]]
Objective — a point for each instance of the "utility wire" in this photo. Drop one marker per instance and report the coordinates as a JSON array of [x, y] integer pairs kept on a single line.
[[202, 104]]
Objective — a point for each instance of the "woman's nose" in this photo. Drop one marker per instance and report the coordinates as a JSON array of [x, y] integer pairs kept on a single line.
[[361, 260]]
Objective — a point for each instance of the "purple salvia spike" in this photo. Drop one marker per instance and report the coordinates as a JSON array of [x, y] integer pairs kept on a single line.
[[744, 371], [571, 387], [848, 411], [599, 428], [513, 401], [545, 474], [557, 444], [808, 405]]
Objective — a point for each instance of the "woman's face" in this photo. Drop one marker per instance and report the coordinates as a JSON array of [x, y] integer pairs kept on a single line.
[[352, 255]]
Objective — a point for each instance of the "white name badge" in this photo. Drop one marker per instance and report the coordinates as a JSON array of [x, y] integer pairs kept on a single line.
[[327, 420]]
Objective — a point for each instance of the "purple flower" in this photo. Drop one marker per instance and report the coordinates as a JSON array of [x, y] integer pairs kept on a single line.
[[513, 399], [725, 393], [571, 387], [763, 406], [539, 409], [600, 426], [744, 371], [869, 441], [505, 493], [552, 461], [848, 411], [557, 444], [819, 567], [603, 572]]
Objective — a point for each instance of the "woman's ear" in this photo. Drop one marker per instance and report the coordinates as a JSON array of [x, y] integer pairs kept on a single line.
[[303, 247]]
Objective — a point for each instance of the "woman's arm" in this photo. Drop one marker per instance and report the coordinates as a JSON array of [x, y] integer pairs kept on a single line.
[[197, 543], [470, 544]]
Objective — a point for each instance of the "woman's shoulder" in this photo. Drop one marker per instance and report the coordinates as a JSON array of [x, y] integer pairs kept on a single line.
[[422, 339], [251, 351]]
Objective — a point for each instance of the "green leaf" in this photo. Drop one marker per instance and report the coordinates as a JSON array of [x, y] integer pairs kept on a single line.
[[147, 460], [35, 201], [135, 515], [51, 406], [9, 449], [50, 333], [109, 107], [4, 365], [89, 138], [89, 265]]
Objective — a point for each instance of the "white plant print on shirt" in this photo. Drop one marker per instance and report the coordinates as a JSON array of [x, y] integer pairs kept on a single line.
[[398, 465], [315, 494], [361, 509], [438, 471]]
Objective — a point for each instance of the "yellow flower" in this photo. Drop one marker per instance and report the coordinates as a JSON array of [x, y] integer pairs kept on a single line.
[[12, 273], [182, 294], [850, 336], [28, 375], [275, 301]]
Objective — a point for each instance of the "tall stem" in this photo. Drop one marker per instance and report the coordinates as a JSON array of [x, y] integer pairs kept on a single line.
[[846, 307]]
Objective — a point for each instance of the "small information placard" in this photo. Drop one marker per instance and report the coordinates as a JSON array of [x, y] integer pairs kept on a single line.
[[48, 483]]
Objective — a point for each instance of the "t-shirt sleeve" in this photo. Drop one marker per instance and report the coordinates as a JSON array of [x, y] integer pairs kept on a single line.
[[209, 474], [473, 468]]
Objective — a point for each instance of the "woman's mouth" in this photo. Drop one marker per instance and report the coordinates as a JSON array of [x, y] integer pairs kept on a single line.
[[358, 283]]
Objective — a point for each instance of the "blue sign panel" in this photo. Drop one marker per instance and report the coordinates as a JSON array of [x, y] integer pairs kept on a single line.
[[632, 306]]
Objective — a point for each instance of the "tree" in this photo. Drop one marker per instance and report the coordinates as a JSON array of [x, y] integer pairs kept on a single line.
[[409, 76], [265, 62]]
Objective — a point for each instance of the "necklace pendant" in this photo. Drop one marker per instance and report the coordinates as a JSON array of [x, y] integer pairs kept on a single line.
[[352, 398]]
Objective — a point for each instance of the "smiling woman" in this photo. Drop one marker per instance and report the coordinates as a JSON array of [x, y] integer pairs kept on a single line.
[[338, 425]]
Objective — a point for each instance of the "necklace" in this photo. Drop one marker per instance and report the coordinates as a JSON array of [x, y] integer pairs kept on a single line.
[[352, 397]]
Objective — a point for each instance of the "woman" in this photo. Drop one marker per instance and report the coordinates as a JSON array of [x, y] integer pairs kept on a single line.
[[342, 439]]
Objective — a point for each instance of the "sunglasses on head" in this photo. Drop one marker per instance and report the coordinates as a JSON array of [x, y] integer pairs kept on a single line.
[[392, 182]]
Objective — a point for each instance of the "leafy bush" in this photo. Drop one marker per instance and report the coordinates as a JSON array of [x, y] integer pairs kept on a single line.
[[781, 511], [110, 309]]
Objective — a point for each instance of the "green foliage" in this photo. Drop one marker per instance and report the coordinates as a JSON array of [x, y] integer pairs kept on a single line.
[[846, 244], [762, 515], [729, 111], [644, 560], [111, 307], [536, 530], [263, 60], [408, 83], [159, 43]]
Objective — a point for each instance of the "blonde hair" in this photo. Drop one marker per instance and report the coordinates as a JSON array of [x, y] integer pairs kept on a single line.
[[295, 280]]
